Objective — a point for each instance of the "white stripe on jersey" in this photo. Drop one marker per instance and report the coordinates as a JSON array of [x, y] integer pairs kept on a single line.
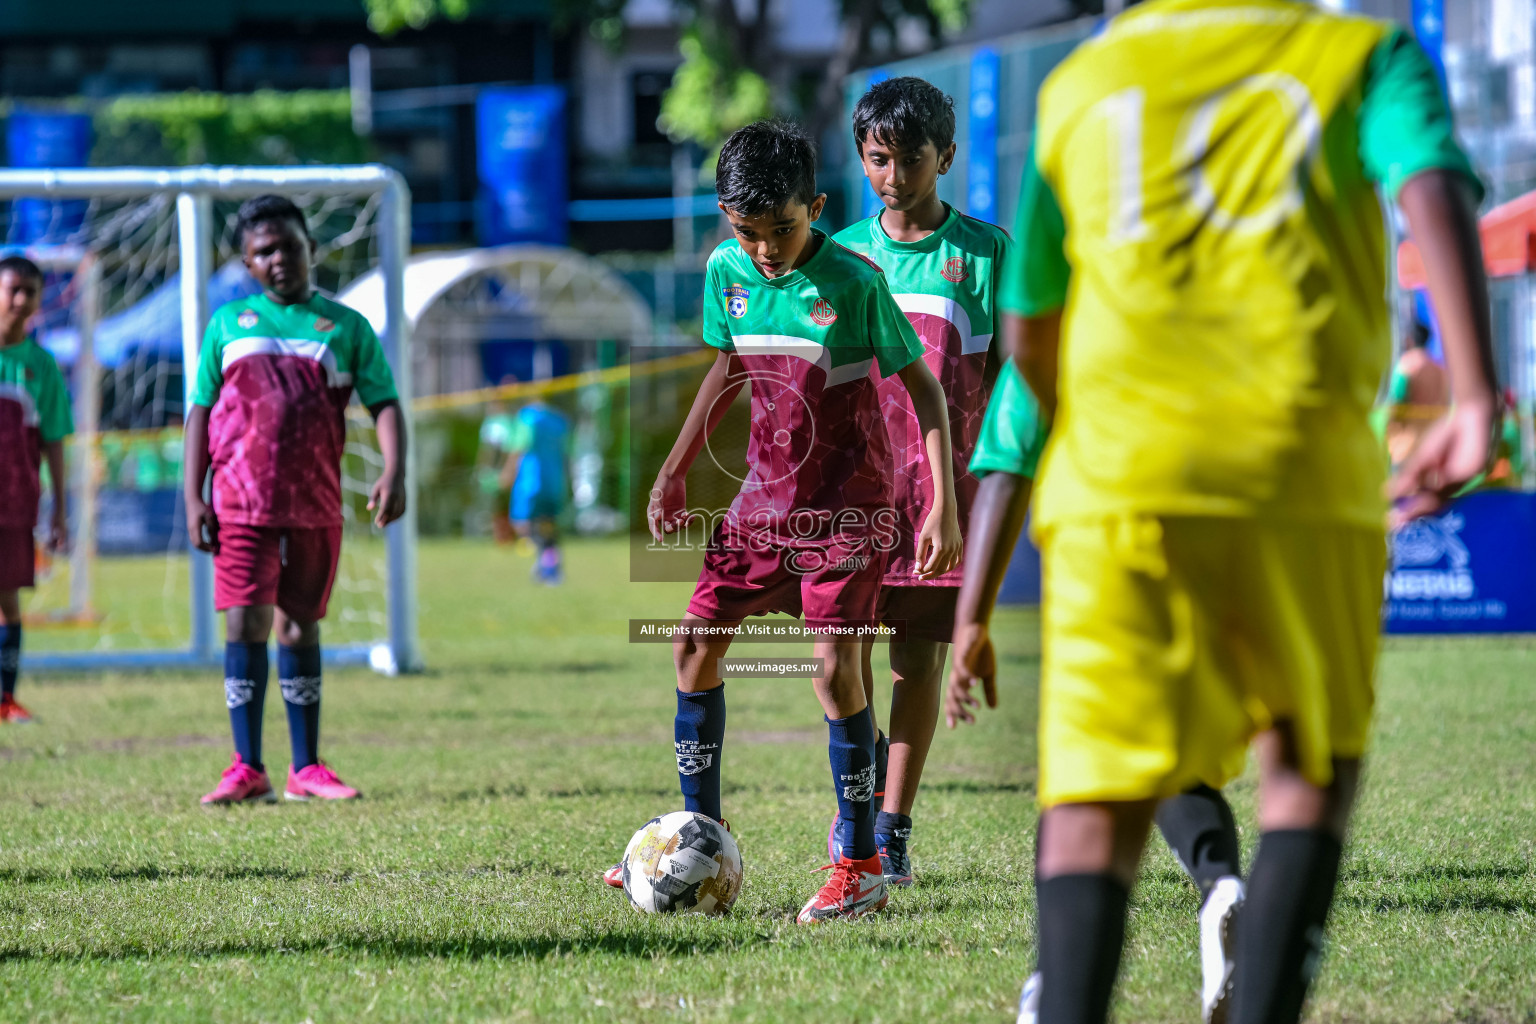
[[802, 348], [303, 348], [20, 395], [948, 309]]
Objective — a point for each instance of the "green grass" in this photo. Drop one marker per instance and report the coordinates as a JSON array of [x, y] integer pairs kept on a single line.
[[465, 886]]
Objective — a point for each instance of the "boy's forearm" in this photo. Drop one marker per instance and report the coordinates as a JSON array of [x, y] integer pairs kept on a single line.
[[932, 410], [997, 519], [195, 454], [716, 393], [390, 426], [53, 451], [1034, 345], [1443, 222]]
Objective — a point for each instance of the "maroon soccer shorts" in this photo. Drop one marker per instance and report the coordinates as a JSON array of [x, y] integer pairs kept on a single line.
[[286, 566], [835, 585], [927, 612], [18, 558]]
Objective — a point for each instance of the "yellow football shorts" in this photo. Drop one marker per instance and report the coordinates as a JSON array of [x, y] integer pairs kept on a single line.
[[1170, 641]]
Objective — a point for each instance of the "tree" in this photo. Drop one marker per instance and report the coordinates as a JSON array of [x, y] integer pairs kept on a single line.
[[729, 75]]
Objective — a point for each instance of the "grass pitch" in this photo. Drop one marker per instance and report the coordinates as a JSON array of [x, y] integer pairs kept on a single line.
[[465, 887]]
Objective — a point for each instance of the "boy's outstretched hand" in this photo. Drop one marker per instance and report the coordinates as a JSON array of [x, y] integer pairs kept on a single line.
[[974, 659], [667, 511], [939, 547], [1451, 454], [387, 499], [202, 525]]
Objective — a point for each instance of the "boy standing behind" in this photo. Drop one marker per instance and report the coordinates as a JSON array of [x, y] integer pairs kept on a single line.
[[803, 319], [273, 382], [34, 420], [943, 268]]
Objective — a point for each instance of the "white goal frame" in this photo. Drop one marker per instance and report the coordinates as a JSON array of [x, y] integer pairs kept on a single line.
[[195, 189]]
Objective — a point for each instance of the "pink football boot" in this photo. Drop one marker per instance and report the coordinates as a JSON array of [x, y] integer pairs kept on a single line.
[[240, 784], [316, 782]]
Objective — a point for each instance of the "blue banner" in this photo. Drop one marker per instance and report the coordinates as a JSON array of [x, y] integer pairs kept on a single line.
[[522, 165], [1469, 570], [46, 139], [1429, 29], [981, 168]]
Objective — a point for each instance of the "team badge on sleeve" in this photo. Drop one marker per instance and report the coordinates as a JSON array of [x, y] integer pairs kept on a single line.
[[247, 319], [736, 301], [823, 313], [955, 270]]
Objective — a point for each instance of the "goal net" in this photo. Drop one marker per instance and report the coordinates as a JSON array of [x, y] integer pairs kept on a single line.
[[135, 262]]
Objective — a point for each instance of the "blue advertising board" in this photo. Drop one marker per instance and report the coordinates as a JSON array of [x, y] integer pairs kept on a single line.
[[981, 152], [45, 139], [1429, 29], [521, 139], [1470, 570], [872, 203]]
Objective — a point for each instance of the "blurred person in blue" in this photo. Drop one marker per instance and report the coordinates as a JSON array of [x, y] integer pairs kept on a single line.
[[537, 475]]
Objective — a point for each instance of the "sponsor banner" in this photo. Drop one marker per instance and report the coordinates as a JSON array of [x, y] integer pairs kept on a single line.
[[981, 167], [522, 164], [1468, 570]]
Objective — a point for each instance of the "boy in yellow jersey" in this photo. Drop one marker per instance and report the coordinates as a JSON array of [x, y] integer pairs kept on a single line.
[[1201, 253]]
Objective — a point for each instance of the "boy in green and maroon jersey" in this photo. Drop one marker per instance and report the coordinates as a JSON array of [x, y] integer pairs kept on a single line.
[[943, 268], [273, 382], [34, 420]]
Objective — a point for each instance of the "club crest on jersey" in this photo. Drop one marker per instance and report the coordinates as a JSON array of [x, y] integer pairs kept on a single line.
[[823, 313], [325, 324], [955, 270], [247, 319], [736, 301]]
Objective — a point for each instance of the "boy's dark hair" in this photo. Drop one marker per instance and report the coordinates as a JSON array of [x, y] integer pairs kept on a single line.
[[22, 267], [264, 210], [904, 113], [764, 166]]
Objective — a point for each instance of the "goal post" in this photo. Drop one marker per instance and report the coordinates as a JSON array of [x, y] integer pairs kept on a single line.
[[195, 189]]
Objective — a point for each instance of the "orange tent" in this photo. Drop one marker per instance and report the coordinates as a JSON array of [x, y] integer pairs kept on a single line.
[[1509, 243]]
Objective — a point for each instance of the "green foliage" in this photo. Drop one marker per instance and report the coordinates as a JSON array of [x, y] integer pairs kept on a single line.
[[267, 127], [710, 97], [386, 17], [465, 886]]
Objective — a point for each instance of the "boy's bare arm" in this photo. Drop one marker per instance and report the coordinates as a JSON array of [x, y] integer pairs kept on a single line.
[[669, 496], [58, 529], [997, 519], [202, 524], [1034, 344], [387, 499], [938, 543], [1443, 222]]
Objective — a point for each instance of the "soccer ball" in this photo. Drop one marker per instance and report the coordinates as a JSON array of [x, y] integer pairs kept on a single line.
[[682, 862]]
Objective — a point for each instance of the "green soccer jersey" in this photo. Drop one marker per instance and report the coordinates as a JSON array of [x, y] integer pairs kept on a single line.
[[947, 285], [806, 342], [1014, 432], [34, 409], [277, 379]]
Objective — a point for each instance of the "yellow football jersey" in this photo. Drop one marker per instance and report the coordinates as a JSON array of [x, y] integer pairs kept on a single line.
[[1225, 322]]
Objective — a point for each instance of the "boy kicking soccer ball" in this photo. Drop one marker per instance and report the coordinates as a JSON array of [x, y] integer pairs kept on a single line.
[[1197, 824], [1203, 257], [273, 382], [802, 319], [942, 268], [34, 420]]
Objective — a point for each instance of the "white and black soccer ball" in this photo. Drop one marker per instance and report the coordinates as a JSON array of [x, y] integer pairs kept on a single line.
[[682, 862]]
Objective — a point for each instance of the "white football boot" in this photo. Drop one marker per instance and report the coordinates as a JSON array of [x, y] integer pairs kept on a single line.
[[1218, 936]]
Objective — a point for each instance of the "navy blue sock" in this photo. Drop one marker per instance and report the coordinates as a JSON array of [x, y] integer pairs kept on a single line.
[[245, 694], [891, 826], [298, 673], [851, 750], [698, 733], [10, 657]]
